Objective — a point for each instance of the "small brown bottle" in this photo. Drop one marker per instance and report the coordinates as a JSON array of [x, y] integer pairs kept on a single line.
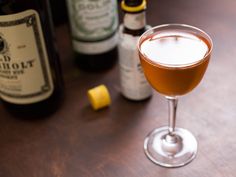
[[134, 85]]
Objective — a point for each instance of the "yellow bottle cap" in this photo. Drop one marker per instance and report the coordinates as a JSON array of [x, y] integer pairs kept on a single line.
[[134, 9], [99, 97]]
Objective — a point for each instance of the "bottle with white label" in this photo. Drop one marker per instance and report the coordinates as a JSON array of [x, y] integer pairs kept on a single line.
[[30, 76], [94, 25], [134, 85]]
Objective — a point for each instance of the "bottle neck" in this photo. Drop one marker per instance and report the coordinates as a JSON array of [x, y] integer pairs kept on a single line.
[[134, 22]]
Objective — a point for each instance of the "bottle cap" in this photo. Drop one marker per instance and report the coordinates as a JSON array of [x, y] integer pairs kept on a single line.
[[133, 3], [99, 97], [133, 6]]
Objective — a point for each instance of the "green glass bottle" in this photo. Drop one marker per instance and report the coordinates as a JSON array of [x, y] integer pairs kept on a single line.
[[94, 34]]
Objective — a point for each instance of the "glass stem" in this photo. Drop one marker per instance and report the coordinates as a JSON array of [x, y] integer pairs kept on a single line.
[[172, 106]]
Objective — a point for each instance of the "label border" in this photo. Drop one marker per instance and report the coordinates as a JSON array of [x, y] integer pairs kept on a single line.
[[31, 21]]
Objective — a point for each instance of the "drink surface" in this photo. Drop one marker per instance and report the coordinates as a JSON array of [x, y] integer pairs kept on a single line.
[[174, 62]]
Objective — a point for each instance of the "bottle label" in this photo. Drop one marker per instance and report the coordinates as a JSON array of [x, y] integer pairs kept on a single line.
[[24, 69], [133, 82], [92, 21], [135, 21], [95, 47]]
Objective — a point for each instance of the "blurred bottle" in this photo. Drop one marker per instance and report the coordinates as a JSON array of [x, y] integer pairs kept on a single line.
[[59, 11], [30, 75], [94, 26], [134, 85]]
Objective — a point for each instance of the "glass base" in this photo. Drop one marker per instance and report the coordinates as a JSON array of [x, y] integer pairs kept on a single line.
[[170, 150]]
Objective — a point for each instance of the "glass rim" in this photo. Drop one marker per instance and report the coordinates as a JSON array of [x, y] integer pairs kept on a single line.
[[207, 37]]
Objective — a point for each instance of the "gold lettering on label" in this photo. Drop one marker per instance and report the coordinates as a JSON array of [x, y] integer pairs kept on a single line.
[[21, 46]]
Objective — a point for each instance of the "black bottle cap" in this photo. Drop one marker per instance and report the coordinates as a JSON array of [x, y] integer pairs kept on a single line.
[[133, 3]]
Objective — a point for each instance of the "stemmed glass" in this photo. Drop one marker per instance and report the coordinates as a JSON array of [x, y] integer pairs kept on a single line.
[[174, 58]]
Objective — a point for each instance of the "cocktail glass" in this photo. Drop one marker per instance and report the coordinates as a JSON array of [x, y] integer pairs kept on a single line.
[[174, 58]]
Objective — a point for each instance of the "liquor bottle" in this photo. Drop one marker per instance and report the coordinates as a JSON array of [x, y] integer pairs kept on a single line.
[[94, 26], [134, 86], [59, 12], [31, 84]]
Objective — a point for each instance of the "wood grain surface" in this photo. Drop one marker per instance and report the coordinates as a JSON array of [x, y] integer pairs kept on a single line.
[[79, 142]]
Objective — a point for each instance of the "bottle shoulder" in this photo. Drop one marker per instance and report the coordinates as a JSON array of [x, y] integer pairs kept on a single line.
[[130, 32], [134, 23], [138, 32]]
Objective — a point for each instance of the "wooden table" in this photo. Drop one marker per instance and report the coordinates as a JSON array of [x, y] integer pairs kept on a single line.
[[79, 142]]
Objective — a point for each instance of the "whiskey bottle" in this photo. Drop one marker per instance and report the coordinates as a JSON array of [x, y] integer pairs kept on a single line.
[[30, 76]]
